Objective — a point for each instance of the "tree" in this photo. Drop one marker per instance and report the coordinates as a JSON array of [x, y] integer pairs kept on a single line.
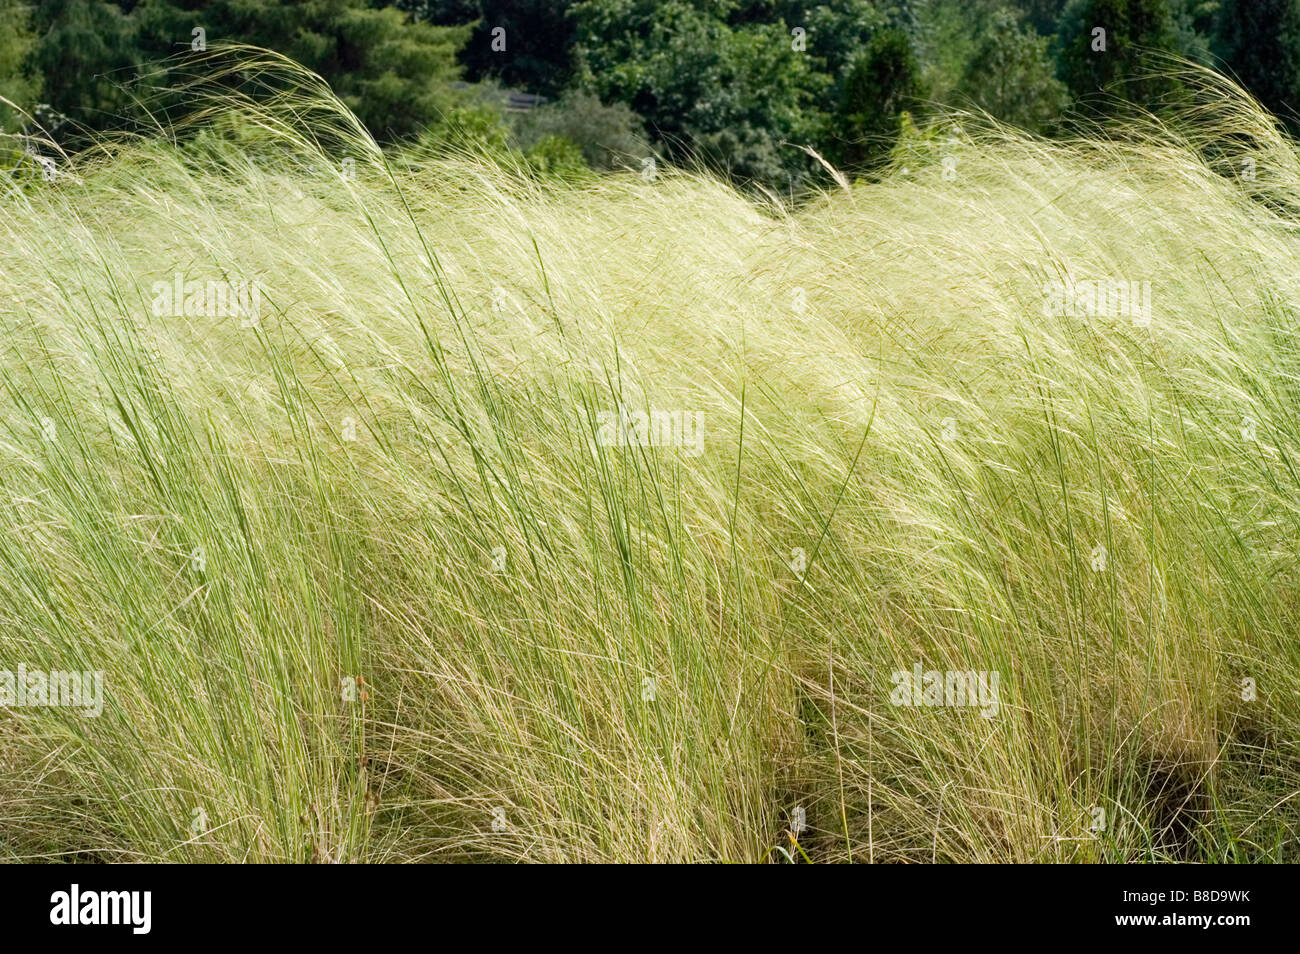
[[1259, 40], [1041, 15], [946, 38], [1194, 28], [1011, 76], [835, 30], [883, 82], [537, 36], [86, 56], [1105, 53], [393, 73], [739, 98], [17, 84]]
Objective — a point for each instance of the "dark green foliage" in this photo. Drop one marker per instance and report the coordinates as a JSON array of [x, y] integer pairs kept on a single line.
[[1125, 68], [883, 81], [732, 97], [18, 84], [1042, 15], [836, 30], [395, 74], [1259, 41], [743, 86], [1193, 28], [538, 39], [86, 56], [1011, 76]]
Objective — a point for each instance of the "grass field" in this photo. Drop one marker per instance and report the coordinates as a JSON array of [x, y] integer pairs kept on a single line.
[[532, 521]]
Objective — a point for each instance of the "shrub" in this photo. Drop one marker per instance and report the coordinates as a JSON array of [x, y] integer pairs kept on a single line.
[[609, 137], [558, 157]]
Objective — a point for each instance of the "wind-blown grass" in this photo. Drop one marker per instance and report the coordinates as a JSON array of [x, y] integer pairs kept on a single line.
[[571, 651]]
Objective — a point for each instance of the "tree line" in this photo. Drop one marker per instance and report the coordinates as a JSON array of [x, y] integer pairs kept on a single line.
[[738, 85]]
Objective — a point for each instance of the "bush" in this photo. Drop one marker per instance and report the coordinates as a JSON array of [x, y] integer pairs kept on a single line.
[[558, 157], [476, 127], [609, 137]]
